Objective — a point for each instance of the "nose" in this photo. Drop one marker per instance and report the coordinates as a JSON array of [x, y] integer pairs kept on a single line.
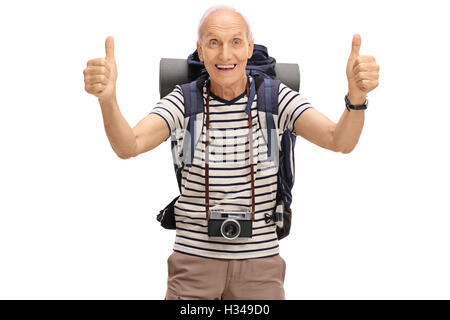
[[225, 53]]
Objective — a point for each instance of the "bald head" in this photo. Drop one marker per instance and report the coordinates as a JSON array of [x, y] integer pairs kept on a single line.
[[225, 50], [221, 18]]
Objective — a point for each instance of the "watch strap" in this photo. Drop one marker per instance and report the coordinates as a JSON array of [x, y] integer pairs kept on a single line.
[[349, 106]]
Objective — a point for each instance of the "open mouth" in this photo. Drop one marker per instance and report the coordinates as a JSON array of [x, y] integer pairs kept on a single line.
[[225, 67]]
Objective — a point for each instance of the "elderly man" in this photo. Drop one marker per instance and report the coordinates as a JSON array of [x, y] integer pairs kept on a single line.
[[202, 267]]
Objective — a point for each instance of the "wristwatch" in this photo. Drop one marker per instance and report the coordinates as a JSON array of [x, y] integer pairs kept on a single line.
[[349, 106]]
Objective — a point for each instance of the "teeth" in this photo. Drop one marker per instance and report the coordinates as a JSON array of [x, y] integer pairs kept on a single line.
[[226, 66]]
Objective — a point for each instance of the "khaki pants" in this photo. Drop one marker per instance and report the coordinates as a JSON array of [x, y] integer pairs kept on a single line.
[[196, 278]]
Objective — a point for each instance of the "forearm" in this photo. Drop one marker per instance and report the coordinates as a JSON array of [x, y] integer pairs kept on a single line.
[[119, 132], [349, 128]]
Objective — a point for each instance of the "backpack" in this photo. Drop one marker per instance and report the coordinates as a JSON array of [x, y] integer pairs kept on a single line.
[[261, 68]]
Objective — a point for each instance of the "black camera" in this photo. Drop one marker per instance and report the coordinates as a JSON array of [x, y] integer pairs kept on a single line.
[[230, 224]]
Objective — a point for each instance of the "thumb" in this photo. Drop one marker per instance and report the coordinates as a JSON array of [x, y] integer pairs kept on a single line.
[[356, 45], [109, 47]]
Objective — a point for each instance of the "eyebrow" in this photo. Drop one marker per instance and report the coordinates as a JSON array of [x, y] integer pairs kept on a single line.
[[210, 34]]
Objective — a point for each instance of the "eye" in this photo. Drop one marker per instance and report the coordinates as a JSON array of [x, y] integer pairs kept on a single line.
[[213, 42], [236, 41]]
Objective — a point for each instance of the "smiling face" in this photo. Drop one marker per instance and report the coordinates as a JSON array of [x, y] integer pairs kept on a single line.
[[224, 50]]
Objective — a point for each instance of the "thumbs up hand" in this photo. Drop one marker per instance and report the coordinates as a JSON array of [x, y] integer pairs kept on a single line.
[[100, 75], [362, 73]]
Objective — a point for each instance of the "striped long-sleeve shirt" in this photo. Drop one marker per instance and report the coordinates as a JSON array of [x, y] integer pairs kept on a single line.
[[229, 173]]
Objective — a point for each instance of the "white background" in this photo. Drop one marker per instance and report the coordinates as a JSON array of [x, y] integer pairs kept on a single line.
[[77, 222]]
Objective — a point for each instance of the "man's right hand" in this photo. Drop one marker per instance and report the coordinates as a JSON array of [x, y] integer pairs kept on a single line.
[[100, 78], [100, 75]]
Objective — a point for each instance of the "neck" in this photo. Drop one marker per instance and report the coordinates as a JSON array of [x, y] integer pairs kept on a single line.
[[229, 92]]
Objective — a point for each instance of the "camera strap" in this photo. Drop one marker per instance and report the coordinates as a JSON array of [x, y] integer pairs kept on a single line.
[[250, 96]]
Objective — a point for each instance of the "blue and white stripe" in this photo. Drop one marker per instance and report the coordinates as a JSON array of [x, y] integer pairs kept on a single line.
[[229, 172]]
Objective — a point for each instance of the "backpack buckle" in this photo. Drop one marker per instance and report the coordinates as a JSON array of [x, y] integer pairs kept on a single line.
[[268, 217]]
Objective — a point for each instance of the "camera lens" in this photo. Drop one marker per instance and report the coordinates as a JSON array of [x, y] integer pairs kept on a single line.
[[230, 229]]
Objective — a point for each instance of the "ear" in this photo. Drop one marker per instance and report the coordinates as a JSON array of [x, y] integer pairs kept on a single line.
[[250, 48], [199, 51]]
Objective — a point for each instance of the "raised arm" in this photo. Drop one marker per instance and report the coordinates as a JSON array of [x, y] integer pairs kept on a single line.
[[100, 77], [126, 142], [150, 132], [317, 128], [362, 76]]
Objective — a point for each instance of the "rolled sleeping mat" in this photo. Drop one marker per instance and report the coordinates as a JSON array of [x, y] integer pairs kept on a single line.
[[175, 71]]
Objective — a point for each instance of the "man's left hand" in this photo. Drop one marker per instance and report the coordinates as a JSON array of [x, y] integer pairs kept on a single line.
[[362, 73]]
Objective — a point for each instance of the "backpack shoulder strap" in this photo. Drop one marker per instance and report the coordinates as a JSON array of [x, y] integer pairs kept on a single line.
[[193, 110], [267, 89], [267, 102]]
